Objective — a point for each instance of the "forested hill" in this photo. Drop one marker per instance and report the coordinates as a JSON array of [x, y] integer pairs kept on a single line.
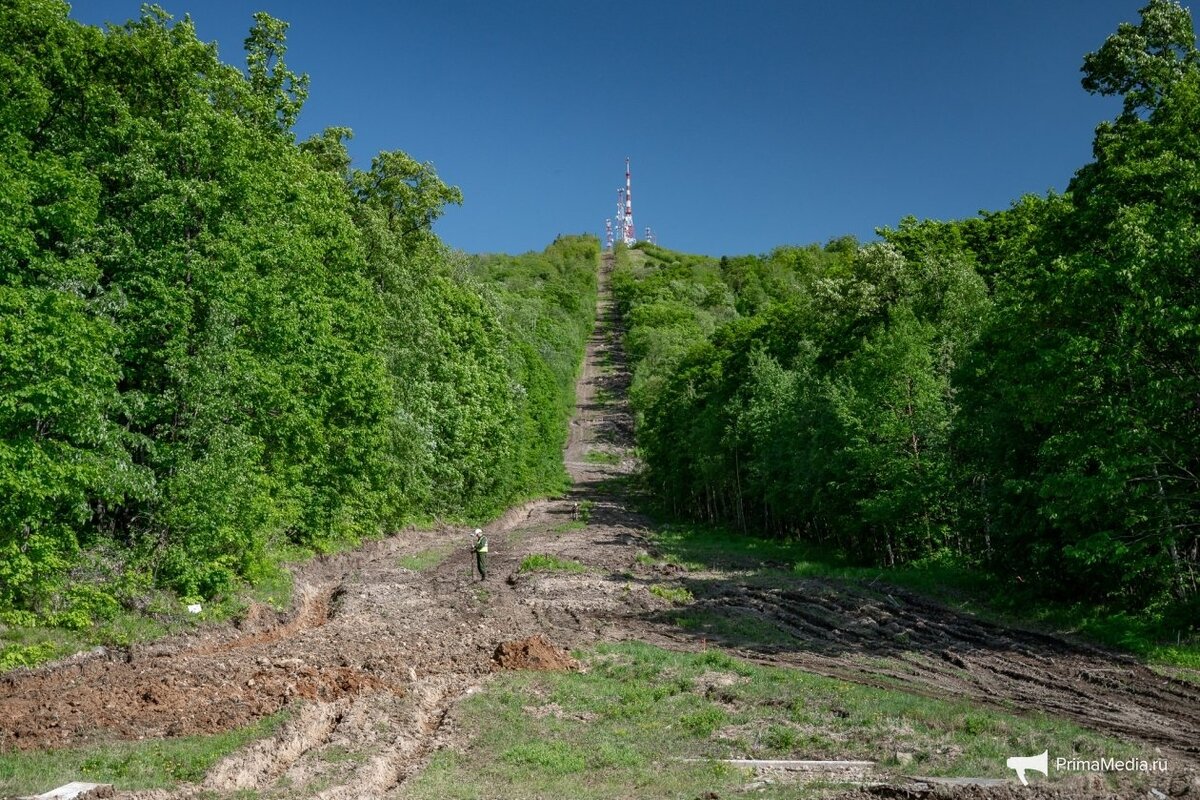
[[1019, 391], [218, 343]]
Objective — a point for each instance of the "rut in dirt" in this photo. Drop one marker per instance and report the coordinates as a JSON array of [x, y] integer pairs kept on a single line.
[[890, 638]]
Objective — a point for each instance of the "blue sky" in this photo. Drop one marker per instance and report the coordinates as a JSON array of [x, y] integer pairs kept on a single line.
[[749, 125]]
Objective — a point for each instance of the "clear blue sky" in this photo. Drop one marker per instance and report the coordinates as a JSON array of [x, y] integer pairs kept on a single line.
[[749, 125]]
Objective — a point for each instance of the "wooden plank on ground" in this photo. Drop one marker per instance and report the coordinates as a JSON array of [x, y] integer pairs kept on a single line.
[[76, 790]]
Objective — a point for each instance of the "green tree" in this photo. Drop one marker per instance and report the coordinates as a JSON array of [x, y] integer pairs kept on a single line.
[[1141, 62], [1085, 388]]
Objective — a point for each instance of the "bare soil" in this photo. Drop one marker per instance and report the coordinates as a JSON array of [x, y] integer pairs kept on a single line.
[[536, 653], [380, 654]]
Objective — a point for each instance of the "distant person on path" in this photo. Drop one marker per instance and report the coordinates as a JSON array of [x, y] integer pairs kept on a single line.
[[480, 549]]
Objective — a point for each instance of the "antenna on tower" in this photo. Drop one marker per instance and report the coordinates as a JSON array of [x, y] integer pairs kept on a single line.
[[649, 235], [608, 234], [629, 236]]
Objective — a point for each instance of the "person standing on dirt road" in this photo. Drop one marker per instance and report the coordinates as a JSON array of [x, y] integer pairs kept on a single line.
[[480, 549]]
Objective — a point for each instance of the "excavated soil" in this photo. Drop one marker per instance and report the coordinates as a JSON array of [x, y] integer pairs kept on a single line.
[[380, 654], [535, 653]]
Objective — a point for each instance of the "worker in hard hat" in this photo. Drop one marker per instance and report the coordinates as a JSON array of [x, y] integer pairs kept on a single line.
[[480, 548]]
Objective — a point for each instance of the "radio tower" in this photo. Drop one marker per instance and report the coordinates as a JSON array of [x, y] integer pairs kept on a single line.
[[620, 213], [649, 235], [608, 234], [629, 236]]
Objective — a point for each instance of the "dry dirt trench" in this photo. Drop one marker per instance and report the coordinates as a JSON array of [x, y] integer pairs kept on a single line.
[[381, 654]]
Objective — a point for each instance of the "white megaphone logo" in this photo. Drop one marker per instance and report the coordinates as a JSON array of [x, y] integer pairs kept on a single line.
[[1022, 763]]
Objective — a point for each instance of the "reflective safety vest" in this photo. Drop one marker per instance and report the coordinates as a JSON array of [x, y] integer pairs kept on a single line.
[[481, 545]]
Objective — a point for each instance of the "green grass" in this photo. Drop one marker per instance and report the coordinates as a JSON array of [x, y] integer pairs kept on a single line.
[[274, 585], [699, 547], [158, 764], [602, 457], [623, 726], [24, 644], [340, 754], [676, 595], [576, 525], [425, 559], [144, 614], [540, 562], [732, 626]]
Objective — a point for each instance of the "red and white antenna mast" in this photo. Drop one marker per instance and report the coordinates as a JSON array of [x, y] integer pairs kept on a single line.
[[629, 236]]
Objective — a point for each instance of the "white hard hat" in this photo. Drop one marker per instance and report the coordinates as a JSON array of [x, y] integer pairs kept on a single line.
[[478, 531]]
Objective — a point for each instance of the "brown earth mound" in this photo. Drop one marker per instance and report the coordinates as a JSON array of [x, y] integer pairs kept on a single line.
[[533, 653]]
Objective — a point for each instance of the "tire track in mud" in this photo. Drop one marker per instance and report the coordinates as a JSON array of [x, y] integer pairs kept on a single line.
[[264, 761], [375, 658], [848, 631]]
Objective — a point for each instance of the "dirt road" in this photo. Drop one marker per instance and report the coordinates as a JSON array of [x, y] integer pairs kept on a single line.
[[382, 653]]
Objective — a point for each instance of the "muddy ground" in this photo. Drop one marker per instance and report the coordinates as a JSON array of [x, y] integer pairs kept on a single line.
[[382, 653]]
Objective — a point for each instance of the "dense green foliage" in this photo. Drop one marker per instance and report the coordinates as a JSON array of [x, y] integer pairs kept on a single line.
[[824, 414], [548, 303], [1019, 390], [216, 342]]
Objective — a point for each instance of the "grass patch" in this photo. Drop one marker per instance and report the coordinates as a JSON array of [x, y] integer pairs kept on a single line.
[[733, 626], [1148, 636], [23, 643], [541, 562], [159, 764], [130, 610], [601, 457], [617, 485], [672, 594], [698, 547], [645, 559], [623, 725], [340, 754], [273, 586], [425, 559], [553, 758], [565, 527]]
